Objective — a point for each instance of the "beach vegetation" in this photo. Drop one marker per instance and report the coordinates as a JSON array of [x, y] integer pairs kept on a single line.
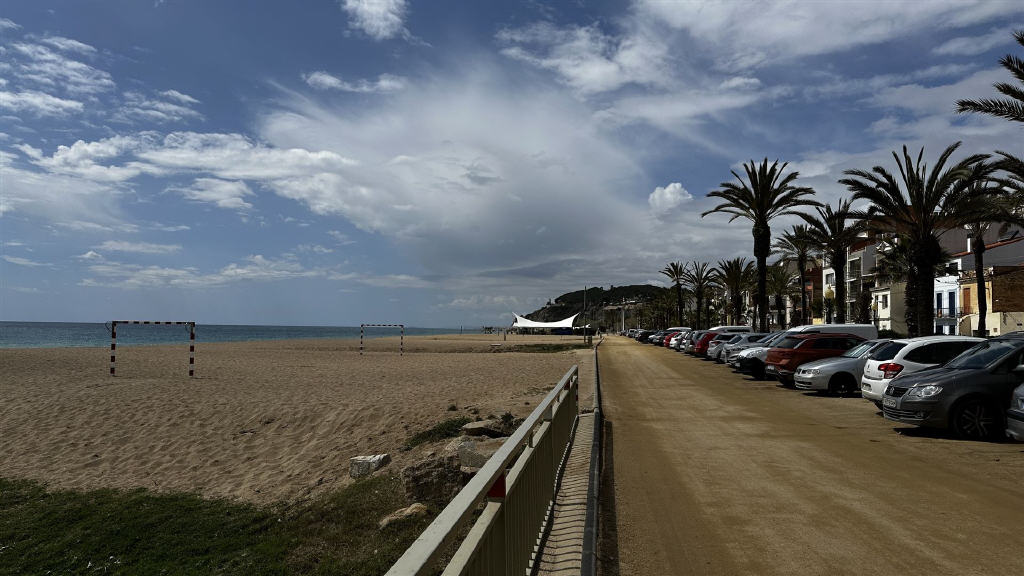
[[449, 428], [834, 231], [675, 272], [136, 531], [736, 276], [1010, 108]]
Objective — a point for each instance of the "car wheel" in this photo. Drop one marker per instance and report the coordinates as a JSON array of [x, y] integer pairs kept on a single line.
[[976, 419], [842, 383]]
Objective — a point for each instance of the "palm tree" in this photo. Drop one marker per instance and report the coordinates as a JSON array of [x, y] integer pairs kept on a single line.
[[764, 195], [895, 263], [920, 209], [795, 246], [835, 231], [674, 271], [1011, 108], [700, 277], [780, 285], [736, 276]]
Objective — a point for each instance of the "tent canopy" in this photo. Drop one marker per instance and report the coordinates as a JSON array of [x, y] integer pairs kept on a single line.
[[527, 323]]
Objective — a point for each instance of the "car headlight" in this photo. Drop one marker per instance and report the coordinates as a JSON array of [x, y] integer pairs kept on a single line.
[[926, 391], [810, 371]]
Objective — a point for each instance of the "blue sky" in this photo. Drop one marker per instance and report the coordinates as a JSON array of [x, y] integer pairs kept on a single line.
[[437, 163]]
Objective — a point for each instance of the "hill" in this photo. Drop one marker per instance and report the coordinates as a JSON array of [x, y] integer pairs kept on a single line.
[[597, 299]]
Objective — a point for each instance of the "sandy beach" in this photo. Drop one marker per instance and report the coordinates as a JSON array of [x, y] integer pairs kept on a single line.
[[262, 421]]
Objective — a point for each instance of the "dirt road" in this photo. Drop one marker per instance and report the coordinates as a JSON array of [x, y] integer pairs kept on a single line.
[[713, 473]]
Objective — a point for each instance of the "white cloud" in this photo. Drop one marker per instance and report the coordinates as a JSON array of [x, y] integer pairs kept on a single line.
[[384, 83], [138, 247], [90, 255], [23, 261], [172, 107], [228, 194], [587, 59], [6, 24], [974, 45], [379, 19], [51, 70], [747, 33], [38, 103], [340, 237], [255, 268], [667, 198], [80, 158], [68, 45]]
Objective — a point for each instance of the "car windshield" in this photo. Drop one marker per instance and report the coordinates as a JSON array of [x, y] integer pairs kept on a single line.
[[735, 339], [789, 342], [859, 349], [983, 354], [888, 352]]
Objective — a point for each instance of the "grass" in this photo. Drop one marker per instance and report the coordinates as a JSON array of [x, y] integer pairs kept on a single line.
[[140, 532], [448, 429]]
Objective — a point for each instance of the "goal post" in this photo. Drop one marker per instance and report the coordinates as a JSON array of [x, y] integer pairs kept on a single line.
[[401, 339], [191, 342]]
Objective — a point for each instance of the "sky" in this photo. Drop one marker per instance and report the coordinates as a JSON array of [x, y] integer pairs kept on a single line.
[[438, 164]]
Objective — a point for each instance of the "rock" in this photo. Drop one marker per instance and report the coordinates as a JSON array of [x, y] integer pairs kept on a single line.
[[476, 452], [360, 466], [414, 511], [467, 473], [454, 445], [490, 428], [436, 480]]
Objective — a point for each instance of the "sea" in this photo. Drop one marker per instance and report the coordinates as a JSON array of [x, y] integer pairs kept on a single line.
[[68, 334]]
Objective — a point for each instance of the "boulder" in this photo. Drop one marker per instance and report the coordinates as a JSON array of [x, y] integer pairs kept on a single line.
[[477, 451], [435, 480], [489, 428], [414, 511], [360, 466]]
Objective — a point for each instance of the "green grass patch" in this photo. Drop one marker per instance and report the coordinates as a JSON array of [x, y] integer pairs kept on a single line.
[[141, 532], [448, 429]]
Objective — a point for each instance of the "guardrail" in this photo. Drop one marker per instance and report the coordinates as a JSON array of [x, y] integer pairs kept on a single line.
[[588, 563], [518, 484]]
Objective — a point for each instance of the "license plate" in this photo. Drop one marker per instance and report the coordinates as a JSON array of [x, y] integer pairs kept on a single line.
[[770, 369], [889, 402]]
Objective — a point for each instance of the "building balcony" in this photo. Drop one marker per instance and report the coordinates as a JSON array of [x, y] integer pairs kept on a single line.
[[950, 314]]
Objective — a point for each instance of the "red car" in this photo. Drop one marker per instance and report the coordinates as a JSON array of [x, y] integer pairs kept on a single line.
[[700, 348], [792, 351], [668, 337]]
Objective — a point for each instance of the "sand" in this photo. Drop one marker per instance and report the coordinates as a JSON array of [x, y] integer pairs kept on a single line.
[[262, 421]]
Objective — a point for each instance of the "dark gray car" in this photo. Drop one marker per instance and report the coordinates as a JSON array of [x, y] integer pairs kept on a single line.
[[968, 395]]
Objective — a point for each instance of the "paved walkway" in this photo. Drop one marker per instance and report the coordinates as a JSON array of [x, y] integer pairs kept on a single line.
[[563, 550]]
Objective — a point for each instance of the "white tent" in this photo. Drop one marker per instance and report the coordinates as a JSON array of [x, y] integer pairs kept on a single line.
[[527, 323]]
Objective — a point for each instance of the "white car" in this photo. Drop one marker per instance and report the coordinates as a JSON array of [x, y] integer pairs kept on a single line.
[[740, 342], [906, 356]]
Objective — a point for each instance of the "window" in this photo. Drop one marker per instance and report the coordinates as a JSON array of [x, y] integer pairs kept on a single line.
[[830, 279], [887, 352], [938, 301], [824, 344], [927, 354], [952, 303], [885, 301]]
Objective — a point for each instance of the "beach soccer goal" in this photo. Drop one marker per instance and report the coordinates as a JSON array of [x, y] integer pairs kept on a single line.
[[191, 341], [401, 338]]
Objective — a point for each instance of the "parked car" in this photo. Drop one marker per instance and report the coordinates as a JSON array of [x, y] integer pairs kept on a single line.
[[716, 344], [742, 342], [677, 342], [865, 331], [838, 375], [691, 343], [719, 355], [700, 347], [908, 355], [1015, 415], [969, 394], [668, 337], [643, 335], [751, 360], [796, 349]]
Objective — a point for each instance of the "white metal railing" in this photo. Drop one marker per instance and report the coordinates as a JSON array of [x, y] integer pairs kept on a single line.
[[518, 484]]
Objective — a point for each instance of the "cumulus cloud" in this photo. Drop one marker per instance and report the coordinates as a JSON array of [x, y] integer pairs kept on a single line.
[[379, 19], [7, 24], [228, 194], [49, 69], [166, 106], [324, 81], [667, 198], [254, 268]]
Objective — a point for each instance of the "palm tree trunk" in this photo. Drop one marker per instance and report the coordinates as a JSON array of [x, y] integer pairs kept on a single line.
[[978, 246], [839, 266], [679, 304], [926, 299], [762, 246], [802, 269], [700, 304]]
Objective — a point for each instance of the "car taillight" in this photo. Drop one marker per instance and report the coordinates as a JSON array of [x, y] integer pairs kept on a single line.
[[890, 369]]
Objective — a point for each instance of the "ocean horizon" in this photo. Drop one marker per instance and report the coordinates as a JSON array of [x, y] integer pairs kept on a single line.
[[97, 334]]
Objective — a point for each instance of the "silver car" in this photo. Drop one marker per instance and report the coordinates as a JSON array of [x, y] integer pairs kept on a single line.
[[739, 342], [1015, 415], [838, 375]]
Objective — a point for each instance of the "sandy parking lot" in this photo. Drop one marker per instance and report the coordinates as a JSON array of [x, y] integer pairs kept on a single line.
[[714, 473]]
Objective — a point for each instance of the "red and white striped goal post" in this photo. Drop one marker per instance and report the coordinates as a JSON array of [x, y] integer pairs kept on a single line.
[[191, 341], [401, 341]]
